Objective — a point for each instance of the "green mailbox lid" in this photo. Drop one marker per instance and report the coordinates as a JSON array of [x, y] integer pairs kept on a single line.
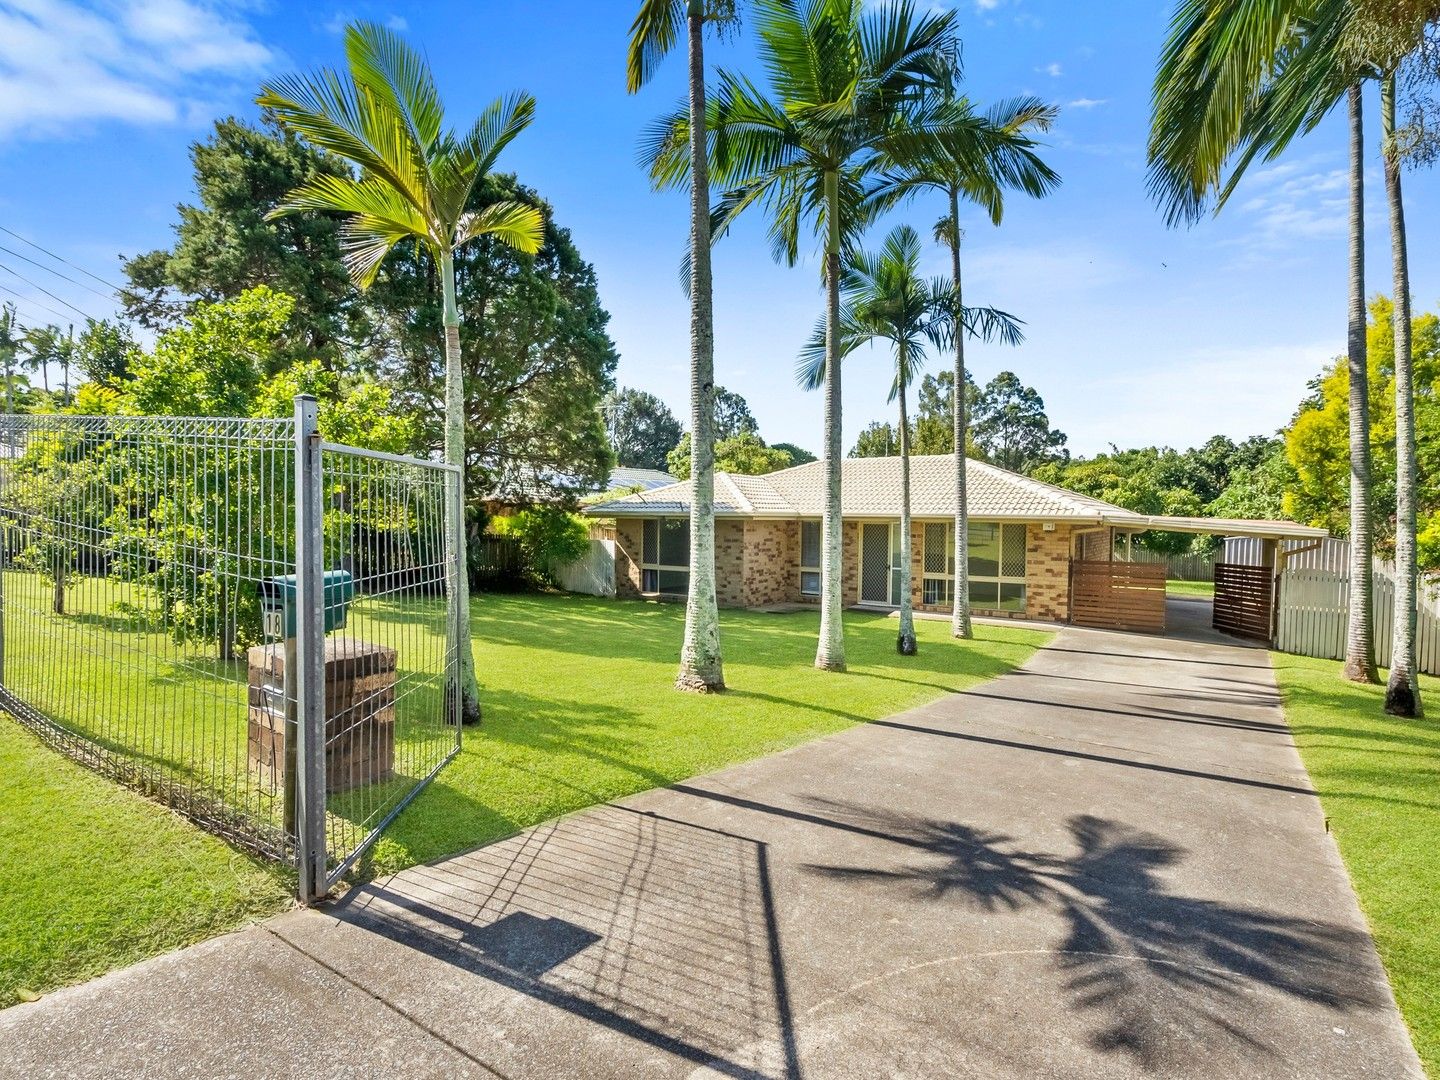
[[338, 589]]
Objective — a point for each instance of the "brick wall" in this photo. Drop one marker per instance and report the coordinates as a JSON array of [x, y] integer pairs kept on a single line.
[[1047, 573], [729, 562], [627, 558], [772, 562]]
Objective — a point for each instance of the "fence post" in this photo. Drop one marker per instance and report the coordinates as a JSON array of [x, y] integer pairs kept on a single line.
[[309, 653]]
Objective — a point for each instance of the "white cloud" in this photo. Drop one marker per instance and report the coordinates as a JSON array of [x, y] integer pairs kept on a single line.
[[1087, 103], [137, 61], [986, 5], [1053, 69], [1295, 201]]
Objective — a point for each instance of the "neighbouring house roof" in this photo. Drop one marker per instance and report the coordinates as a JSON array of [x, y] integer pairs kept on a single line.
[[870, 488], [648, 479]]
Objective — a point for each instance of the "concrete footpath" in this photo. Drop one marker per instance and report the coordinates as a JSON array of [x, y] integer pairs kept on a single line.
[[1109, 863]]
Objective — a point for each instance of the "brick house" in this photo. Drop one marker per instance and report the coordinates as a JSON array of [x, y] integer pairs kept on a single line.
[[1024, 535]]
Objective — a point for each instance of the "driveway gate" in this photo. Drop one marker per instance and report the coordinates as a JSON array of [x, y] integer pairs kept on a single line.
[[1244, 600], [236, 618]]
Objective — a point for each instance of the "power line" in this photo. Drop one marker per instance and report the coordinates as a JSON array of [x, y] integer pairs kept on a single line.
[[47, 292], [57, 273], [30, 301], [60, 258]]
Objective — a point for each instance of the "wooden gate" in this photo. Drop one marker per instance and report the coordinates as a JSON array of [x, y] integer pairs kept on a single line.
[[1244, 600], [1118, 595]]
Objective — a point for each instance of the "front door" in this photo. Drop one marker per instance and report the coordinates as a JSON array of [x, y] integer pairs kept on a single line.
[[879, 563]]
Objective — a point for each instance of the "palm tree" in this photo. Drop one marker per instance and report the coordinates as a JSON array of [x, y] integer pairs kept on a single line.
[[1402, 691], [44, 345], [851, 94], [384, 115], [9, 348], [654, 33], [1238, 80], [982, 180], [1387, 34], [885, 298]]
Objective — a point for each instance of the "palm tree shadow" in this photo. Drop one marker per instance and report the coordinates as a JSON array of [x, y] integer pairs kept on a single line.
[[1134, 956]]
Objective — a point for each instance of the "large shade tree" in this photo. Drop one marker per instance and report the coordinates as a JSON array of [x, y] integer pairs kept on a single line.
[[885, 298], [852, 92], [384, 115], [657, 29]]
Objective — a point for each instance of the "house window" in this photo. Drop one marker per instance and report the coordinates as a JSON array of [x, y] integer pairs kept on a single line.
[[937, 578], [665, 557], [810, 558], [997, 566]]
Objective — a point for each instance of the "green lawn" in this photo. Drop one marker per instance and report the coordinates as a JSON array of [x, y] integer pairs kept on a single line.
[[579, 709], [93, 876], [1379, 783], [1205, 589]]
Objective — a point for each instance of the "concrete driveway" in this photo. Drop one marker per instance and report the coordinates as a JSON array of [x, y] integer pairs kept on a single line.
[[1107, 864]]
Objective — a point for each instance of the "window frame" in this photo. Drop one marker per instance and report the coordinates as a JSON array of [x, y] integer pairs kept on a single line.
[[819, 550], [655, 567], [998, 579]]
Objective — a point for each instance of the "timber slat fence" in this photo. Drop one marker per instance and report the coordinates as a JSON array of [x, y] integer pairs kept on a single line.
[[1244, 599], [1118, 595]]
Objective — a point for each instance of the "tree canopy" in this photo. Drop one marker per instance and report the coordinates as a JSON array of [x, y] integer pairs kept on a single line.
[[641, 428]]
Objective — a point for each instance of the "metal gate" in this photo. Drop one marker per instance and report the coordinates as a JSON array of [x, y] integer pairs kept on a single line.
[[237, 619]]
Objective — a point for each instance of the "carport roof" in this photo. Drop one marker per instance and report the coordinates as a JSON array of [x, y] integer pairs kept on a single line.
[[1267, 530]]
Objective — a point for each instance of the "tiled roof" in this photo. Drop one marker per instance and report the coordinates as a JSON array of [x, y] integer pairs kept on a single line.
[[870, 487]]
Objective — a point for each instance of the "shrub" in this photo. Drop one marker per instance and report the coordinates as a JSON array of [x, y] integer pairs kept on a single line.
[[549, 538]]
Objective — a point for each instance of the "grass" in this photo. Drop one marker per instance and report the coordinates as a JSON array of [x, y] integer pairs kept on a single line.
[[579, 710], [1379, 783], [579, 707], [1205, 589], [93, 876]]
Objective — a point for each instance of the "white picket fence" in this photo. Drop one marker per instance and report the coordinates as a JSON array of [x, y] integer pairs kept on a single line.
[[593, 575], [1312, 613]]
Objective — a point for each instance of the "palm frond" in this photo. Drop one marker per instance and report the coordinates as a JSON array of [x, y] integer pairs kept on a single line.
[[514, 223], [386, 67], [653, 34]]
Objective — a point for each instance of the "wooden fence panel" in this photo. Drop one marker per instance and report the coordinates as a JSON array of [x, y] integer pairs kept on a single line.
[[1244, 600], [1118, 595]]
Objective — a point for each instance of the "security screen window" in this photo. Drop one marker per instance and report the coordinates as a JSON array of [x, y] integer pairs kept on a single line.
[[665, 557], [997, 566]]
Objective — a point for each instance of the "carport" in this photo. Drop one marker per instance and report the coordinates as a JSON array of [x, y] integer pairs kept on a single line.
[[1110, 591]]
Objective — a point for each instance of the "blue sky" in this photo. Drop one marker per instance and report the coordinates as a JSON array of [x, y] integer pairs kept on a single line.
[[1137, 334]]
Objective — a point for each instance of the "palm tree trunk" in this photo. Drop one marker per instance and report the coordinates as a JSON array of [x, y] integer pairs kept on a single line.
[[905, 641], [1402, 692], [830, 655], [700, 662], [459, 574], [960, 625], [1360, 635]]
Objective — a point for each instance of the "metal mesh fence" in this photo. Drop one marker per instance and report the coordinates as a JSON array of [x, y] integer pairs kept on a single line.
[[148, 568], [390, 713]]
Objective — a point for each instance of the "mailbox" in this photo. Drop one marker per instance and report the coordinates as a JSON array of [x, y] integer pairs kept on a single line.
[[277, 602]]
